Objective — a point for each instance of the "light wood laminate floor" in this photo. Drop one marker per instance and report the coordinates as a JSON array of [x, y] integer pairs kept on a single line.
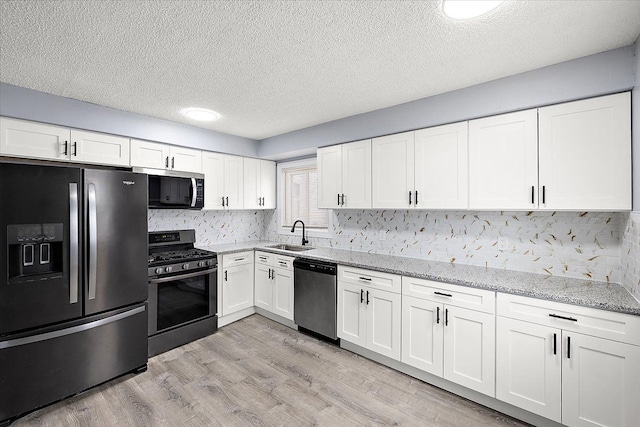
[[256, 372]]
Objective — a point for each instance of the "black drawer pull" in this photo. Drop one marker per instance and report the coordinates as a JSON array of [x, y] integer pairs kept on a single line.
[[438, 315], [368, 279], [446, 317], [444, 295], [361, 295], [568, 347], [555, 348], [269, 273], [239, 259], [557, 316], [367, 297]]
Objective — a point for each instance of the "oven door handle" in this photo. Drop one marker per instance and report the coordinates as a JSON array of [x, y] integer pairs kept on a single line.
[[183, 276]]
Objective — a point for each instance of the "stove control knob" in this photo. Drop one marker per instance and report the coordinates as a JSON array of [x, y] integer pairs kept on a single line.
[[159, 270], [201, 264], [185, 266], [210, 262], [168, 269]]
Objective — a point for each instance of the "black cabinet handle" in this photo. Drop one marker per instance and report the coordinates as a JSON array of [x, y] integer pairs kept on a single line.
[[444, 295], [557, 316], [568, 347], [66, 143], [410, 197], [416, 198], [438, 315], [75, 148], [343, 200], [225, 276], [532, 195], [361, 296], [367, 297], [223, 201], [555, 348], [446, 317], [544, 194], [173, 162], [269, 273], [338, 199], [227, 201], [166, 162], [368, 279]]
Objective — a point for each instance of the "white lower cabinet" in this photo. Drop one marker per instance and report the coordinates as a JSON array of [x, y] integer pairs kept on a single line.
[[367, 316], [442, 339], [547, 368], [237, 282], [274, 283]]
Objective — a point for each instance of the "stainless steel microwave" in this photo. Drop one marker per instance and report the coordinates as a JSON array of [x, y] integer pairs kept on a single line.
[[174, 189]]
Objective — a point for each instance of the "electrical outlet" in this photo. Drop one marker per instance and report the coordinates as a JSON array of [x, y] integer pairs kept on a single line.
[[503, 243], [383, 235]]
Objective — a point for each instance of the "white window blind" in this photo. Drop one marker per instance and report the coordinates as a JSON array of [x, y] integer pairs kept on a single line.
[[301, 198]]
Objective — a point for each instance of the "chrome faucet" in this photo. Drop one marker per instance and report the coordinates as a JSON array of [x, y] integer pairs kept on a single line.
[[304, 241]]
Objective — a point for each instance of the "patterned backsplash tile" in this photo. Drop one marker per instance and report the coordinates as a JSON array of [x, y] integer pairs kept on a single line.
[[630, 254]]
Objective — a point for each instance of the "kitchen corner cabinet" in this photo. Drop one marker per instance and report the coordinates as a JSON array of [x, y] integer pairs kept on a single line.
[[369, 305], [146, 154], [344, 176], [223, 181], [449, 331], [22, 138], [259, 177], [274, 283], [585, 154], [237, 282], [585, 378]]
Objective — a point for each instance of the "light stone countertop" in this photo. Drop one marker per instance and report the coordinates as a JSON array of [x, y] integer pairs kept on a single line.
[[601, 295]]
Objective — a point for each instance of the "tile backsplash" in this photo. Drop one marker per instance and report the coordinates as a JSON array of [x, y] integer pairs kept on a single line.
[[583, 245], [212, 227], [630, 253]]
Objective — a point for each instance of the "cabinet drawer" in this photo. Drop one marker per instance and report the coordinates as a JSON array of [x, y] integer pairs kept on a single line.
[[459, 296], [373, 279], [239, 258], [263, 258], [284, 262], [590, 321]]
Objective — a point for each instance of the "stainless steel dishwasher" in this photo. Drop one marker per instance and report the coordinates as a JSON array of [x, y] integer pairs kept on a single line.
[[315, 291]]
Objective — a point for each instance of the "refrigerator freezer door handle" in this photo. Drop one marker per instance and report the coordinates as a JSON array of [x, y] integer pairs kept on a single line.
[[93, 241], [194, 188], [74, 233]]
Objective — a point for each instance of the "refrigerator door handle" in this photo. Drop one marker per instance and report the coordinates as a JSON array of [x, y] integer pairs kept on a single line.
[[194, 189], [93, 241], [74, 233]]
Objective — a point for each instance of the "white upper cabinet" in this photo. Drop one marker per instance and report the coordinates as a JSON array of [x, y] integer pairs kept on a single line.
[[503, 161], [345, 176], [223, 181], [259, 184], [146, 154], [34, 140], [441, 167], [585, 154], [393, 171]]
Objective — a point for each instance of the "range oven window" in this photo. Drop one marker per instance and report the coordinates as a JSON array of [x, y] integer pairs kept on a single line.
[[183, 300]]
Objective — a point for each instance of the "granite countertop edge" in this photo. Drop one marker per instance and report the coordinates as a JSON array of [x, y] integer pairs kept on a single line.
[[586, 293]]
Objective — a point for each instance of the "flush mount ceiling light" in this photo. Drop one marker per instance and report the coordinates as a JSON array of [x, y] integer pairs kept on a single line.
[[200, 114], [468, 9]]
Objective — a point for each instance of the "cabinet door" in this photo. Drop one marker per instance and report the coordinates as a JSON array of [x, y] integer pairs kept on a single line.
[[186, 159], [213, 169], [600, 382], [26, 139], [237, 288], [422, 334], [585, 154], [528, 367], [251, 179], [441, 167], [145, 154], [469, 349], [233, 182], [263, 287], [267, 184], [283, 293], [352, 314], [329, 176], [90, 147], [356, 174], [383, 322], [392, 171], [503, 161]]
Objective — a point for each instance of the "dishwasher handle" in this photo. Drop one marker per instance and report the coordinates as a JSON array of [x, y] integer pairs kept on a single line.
[[315, 266]]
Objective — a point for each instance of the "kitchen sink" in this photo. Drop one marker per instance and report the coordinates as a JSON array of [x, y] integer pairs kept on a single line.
[[293, 248]]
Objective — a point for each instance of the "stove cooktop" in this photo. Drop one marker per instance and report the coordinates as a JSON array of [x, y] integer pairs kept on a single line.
[[170, 256]]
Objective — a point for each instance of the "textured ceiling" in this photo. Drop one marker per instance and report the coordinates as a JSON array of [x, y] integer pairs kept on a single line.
[[270, 67]]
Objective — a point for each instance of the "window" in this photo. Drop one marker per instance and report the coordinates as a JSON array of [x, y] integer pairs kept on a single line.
[[298, 188]]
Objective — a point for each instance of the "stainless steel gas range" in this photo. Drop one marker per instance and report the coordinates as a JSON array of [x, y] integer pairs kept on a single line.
[[182, 290]]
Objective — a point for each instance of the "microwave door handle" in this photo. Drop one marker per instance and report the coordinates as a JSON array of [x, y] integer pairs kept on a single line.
[[194, 192], [93, 241], [184, 276], [74, 233]]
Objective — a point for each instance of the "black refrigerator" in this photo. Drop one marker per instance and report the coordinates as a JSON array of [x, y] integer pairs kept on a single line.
[[73, 281]]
